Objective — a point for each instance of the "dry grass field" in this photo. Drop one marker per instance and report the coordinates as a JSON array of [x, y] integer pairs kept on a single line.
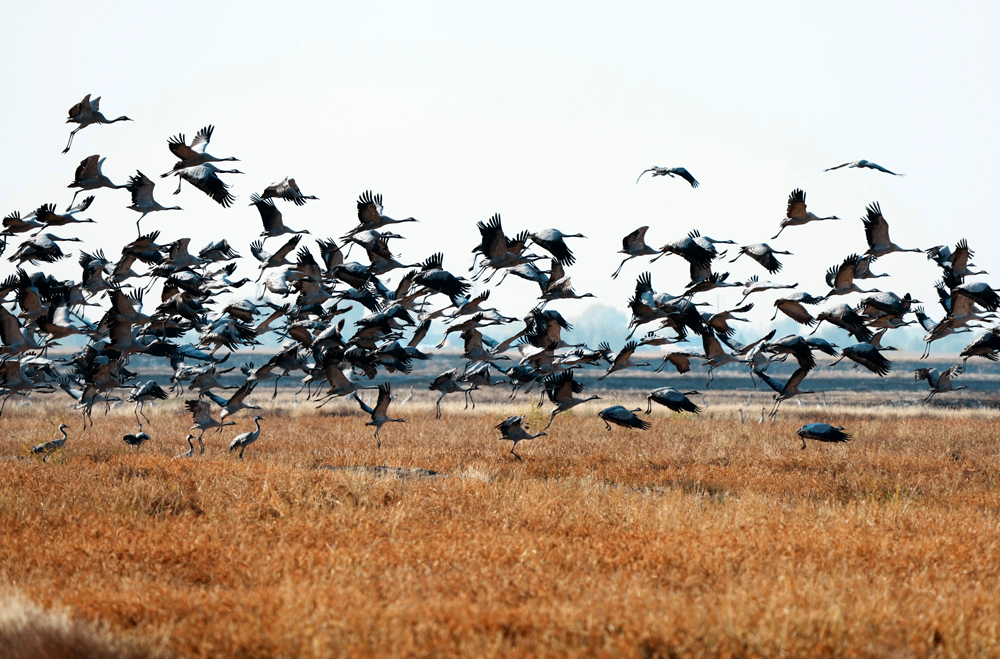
[[701, 537]]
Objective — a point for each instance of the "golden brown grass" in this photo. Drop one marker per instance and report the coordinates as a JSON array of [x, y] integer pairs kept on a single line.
[[701, 537]]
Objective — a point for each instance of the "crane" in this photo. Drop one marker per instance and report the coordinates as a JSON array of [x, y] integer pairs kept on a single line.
[[190, 452], [279, 258], [822, 432], [797, 213], [671, 172], [715, 356], [136, 439], [634, 245], [141, 188], [271, 217], [236, 402], [447, 383], [939, 382], [552, 241], [380, 413], [85, 113], [673, 400], [623, 360], [789, 389], [512, 428], [47, 215], [194, 154], [877, 233], [288, 190], [863, 164], [142, 394], [205, 177], [45, 449], [88, 176], [763, 254], [244, 440], [41, 248], [624, 417], [201, 411], [755, 285], [840, 278], [867, 355], [560, 388], [792, 306]]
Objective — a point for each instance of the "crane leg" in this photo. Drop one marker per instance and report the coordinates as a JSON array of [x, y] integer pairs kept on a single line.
[[70, 142], [515, 454], [551, 418], [608, 426], [615, 274]]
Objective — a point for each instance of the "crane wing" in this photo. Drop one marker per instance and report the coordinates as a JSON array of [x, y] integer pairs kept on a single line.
[[796, 204]]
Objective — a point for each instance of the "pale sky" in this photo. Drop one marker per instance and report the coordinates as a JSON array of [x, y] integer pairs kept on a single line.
[[546, 115]]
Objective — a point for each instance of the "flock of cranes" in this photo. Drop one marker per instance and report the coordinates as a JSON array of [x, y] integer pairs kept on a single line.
[[199, 320]]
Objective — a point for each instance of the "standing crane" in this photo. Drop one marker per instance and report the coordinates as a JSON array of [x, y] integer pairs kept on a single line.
[[513, 430], [85, 113], [244, 440], [45, 449], [190, 452]]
